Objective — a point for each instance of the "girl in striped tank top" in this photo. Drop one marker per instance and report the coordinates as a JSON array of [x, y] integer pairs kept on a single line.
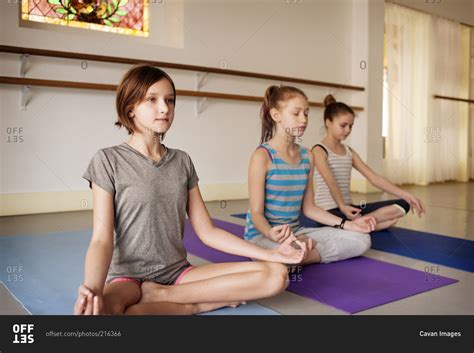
[[334, 161], [280, 187]]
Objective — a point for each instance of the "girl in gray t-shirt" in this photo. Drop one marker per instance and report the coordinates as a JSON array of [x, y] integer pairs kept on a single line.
[[142, 191]]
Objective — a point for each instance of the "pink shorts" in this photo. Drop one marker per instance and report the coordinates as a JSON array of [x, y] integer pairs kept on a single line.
[[139, 281]]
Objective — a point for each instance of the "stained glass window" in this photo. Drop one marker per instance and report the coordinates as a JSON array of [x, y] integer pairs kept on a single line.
[[119, 16]]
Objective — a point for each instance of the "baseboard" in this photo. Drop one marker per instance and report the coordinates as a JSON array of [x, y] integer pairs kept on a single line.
[[66, 201], [49, 202]]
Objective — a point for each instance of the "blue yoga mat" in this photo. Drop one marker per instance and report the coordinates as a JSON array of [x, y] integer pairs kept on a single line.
[[44, 272], [429, 247]]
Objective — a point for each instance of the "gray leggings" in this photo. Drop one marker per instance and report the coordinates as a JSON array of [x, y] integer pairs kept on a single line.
[[333, 244]]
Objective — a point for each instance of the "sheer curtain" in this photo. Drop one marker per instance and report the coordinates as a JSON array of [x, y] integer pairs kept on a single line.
[[427, 138], [471, 106]]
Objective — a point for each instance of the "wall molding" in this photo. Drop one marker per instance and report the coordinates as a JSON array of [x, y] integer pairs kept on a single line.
[[14, 204]]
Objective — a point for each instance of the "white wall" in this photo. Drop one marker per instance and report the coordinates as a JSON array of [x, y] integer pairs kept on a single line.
[[367, 69], [62, 128]]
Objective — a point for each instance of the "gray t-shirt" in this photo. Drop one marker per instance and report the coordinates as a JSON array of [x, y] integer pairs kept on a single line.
[[150, 201]]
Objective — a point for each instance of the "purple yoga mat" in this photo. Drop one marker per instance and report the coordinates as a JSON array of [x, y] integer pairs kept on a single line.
[[352, 285]]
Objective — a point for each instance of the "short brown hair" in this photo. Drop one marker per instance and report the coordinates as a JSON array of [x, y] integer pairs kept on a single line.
[[132, 90]]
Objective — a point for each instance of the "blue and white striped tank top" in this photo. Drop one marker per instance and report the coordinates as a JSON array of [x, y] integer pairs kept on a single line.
[[285, 185]]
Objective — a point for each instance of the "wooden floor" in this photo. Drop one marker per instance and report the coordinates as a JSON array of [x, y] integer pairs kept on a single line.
[[450, 211]]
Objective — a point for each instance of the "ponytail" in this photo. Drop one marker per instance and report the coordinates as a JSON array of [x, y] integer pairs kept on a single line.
[[334, 108], [273, 96]]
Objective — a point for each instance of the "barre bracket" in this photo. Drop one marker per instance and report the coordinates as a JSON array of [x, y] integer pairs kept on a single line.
[[200, 102], [25, 90]]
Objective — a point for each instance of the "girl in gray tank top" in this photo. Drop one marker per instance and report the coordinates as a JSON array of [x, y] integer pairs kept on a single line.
[[332, 175], [136, 262]]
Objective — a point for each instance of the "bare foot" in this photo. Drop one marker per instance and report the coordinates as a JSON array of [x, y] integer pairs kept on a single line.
[[386, 224], [152, 292], [236, 304], [204, 307]]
